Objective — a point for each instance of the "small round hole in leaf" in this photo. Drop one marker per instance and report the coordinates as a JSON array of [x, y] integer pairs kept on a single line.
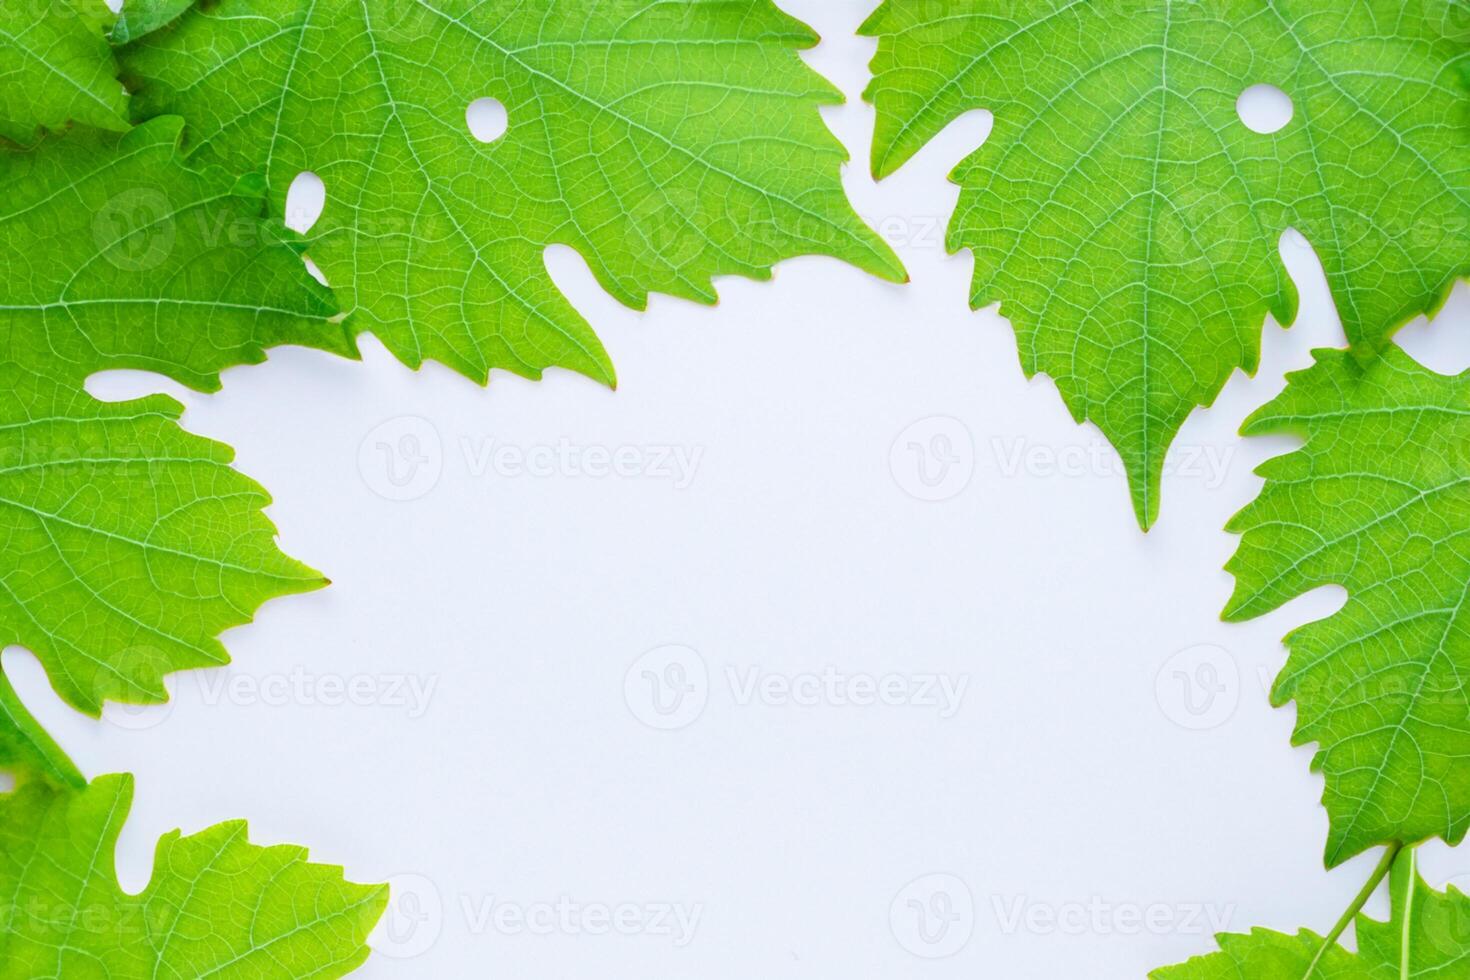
[[487, 119], [1264, 108], [305, 199]]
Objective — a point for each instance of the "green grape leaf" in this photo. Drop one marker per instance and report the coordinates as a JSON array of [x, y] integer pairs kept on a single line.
[[217, 905], [1427, 933], [130, 544], [1426, 937], [1128, 220], [1265, 955], [1377, 501], [665, 142], [25, 748], [117, 255], [56, 67], [140, 17]]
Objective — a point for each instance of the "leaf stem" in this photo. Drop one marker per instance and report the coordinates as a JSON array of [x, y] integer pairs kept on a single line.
[[1384, 864]]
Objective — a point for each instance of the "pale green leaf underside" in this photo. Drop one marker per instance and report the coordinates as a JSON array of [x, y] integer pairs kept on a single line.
[[1426, 937], [140, 17], [1377, 501], [668, 142], [1128, 220], [129, 544], [56, 67], [217, 906]]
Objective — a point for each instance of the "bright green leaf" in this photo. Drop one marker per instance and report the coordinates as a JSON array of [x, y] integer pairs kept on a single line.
[[1427, 933], [117, 255], [1377, 501], [1426, 937], [56, 67], [1265, 955], [130, 544], [217, 906], [1128, 220], [666, 142], [26, 749]]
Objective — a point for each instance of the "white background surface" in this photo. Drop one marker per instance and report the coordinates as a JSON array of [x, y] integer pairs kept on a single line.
[[1113, 777]]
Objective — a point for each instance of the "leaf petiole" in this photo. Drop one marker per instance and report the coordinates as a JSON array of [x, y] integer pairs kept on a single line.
[[1361, 899]]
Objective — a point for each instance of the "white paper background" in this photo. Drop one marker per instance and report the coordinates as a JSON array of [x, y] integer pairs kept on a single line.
[[1112, 780]]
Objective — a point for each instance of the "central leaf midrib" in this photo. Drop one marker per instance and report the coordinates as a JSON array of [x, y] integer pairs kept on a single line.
[[1425, 666], [431, 189]]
